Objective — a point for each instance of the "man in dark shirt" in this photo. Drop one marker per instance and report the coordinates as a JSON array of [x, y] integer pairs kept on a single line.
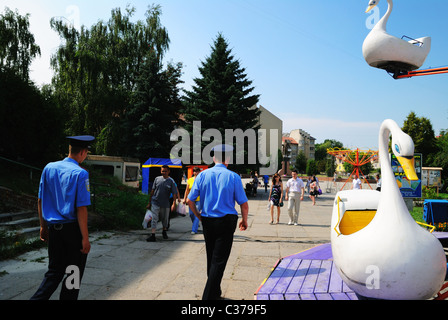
[[159, 201]]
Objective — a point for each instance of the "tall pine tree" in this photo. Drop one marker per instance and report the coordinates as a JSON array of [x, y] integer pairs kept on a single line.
[[221, 98], [154, 113]]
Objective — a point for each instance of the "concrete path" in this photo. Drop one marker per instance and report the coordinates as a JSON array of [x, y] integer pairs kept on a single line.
[[123, 266]]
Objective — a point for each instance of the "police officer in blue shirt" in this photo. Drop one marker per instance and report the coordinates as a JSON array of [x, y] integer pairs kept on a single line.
[[64, 195], [219, 189]]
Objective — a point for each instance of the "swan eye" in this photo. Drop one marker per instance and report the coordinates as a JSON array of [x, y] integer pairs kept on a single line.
[[397, 148]]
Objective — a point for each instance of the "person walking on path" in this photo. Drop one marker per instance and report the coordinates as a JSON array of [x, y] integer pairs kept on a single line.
[[314, 190], [64, 195], [159, 202], [294, 186], [219, 189], [378, 182], [356, 183], [194, 219], [266, 182], [276, 197]]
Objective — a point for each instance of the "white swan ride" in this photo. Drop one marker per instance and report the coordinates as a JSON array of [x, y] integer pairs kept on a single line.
[[378, 249], [384, 51]]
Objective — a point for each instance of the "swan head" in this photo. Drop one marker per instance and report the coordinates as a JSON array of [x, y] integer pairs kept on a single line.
[[372, 4], [403, 148]]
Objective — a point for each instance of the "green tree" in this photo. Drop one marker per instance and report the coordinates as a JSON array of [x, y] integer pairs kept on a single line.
[[440, 158], [324, 160], [421, 131], [311, 167], [221, 98], [17, 44], [30, 126], [301, 162], [321, 148], [97, 70], [30, 122], [154, 111]]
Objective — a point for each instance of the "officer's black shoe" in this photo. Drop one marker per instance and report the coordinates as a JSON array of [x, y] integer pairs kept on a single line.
[[152, 238], [164, 235]]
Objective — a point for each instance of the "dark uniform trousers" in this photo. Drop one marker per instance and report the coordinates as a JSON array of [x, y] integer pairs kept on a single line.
[[64, 249], [218, 235]]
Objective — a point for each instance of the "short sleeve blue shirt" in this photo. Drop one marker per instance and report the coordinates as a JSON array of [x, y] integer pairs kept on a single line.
[[64, 186], [219, 189]]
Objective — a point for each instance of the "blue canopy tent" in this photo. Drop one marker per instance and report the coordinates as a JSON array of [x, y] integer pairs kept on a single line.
[[155, 164]]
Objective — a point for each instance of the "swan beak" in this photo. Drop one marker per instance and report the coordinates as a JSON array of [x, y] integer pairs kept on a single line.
[[408, 166], [370, 8]]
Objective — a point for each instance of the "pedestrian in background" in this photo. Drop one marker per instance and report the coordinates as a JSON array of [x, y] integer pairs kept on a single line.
[[194, 219], [219, 189], [159, 202], [64, 194], [266, 182], [378, 182], [276, 197], [314, 190], [356, 183], [295, 190]]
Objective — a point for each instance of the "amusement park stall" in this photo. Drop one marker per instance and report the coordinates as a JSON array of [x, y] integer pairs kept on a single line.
[[151, 170]]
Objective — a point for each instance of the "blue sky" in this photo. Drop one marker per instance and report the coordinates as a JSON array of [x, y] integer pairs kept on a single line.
[[304, 57]]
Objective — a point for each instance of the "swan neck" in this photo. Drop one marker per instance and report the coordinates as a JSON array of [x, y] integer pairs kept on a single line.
[[388, 178], [382, 24]]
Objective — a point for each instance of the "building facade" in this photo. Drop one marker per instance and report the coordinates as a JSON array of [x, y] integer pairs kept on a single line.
[[292, 144]]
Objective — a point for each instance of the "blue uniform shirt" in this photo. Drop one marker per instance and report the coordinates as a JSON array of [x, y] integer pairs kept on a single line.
[[218, 189], [64, 186]]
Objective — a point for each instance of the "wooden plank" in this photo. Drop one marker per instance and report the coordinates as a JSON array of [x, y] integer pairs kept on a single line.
[[340, 296], [345, 288], [323, 296], [274, 278], [276, 296], [335, 280], [352, 296], [283, 284], [303, 279], [323, 278], [292, 296], [299, 277], [311, 277]]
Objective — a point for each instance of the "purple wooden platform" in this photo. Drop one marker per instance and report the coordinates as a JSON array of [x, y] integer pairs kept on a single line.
[[309, 275]]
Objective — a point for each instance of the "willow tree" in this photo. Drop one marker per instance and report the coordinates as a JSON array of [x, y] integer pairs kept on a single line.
[[97, 70], [17, 44]]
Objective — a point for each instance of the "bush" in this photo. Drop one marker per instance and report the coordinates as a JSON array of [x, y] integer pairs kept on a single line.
[[116, 206]]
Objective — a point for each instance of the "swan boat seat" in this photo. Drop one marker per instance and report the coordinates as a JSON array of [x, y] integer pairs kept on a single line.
[[397, 56], [353, 213]]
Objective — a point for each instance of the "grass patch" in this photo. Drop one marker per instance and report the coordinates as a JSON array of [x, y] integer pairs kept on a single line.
[[115, 206], [12, 245]]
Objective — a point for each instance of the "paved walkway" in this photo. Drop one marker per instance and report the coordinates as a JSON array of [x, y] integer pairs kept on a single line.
[[123, 266]]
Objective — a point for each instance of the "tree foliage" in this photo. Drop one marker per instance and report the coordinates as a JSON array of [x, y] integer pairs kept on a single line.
[[421, 131], [154, 112], [97, 70], [30, 127], [17, 44], [222, 97]]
